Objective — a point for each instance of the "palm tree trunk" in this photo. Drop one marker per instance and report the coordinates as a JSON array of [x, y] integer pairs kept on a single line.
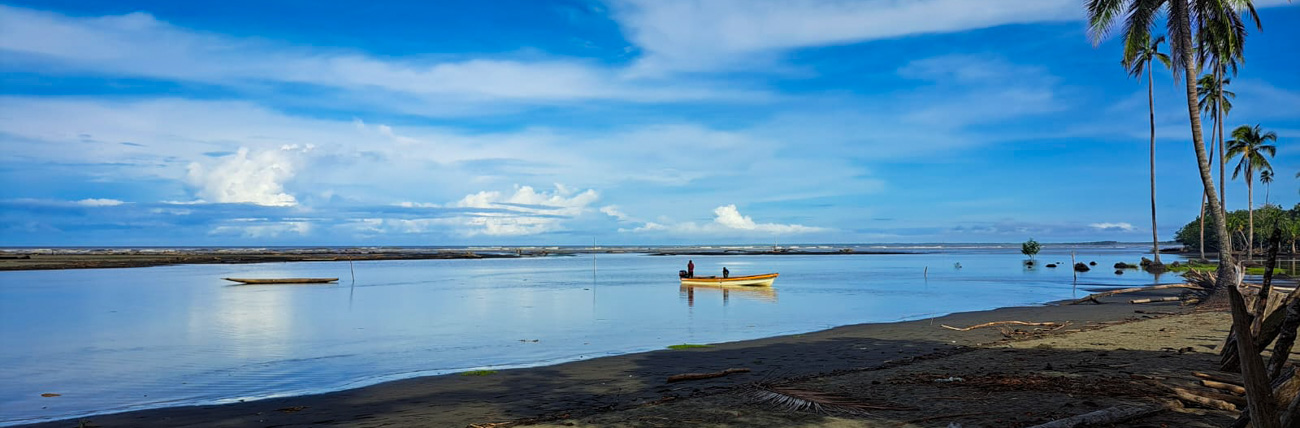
[[1250, 211], [1262, 407], [1201, 220], [1218, 123], [1151, 109]]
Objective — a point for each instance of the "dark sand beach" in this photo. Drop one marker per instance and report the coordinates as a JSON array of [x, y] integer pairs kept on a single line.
[[1108, 354]]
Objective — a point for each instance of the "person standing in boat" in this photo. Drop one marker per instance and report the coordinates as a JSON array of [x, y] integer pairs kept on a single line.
[[725, 272], [690, 268]]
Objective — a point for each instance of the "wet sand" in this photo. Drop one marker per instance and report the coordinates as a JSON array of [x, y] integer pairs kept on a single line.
[[892, 362]]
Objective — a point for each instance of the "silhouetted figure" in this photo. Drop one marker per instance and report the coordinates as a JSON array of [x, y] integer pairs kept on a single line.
[[690, 268], [725, 272]]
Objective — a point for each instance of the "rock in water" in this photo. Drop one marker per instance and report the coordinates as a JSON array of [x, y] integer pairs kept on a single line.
[[1080, 267]]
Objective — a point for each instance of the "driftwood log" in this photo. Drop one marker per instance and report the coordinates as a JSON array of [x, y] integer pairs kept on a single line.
[[1156, 300], [997, 323], [1093, 297], [1235, 389], [1218, 377], [1201, 399], [698, 376], [1107, 416]]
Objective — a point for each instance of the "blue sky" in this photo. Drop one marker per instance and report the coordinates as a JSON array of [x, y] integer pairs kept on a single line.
[[627, 122]]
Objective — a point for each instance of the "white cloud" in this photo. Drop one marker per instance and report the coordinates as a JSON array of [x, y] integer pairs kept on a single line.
[[729, 217], [693, 35], [137, 44], [614, 211], [727, 220], [525, 212], [259, 228], [1112, 227], [256, 178], [95, 202]]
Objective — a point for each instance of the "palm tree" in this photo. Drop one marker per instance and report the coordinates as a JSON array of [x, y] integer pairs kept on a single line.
[[1249, 144], [1266, 177], [1213, 103], [1217, 23], [1136, 64]]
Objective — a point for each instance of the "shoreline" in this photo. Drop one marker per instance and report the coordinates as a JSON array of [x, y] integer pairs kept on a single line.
[[19, 260], [589, 387]]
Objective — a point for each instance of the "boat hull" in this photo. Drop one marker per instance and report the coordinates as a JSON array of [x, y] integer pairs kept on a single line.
[[282, 280], [764, 280]]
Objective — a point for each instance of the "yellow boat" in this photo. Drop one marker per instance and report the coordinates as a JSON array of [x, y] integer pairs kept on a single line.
[[763, 280], [282, 280]]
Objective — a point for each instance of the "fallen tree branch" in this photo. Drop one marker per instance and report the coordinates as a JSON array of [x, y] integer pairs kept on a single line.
[[997, 323], [698, 376], [1217, 378], [1224, 386], [1107, 416], [1093, 297], [1195, 398], [1156, 300]]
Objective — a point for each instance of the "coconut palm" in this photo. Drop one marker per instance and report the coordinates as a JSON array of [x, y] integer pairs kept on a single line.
[[1250, 144], [1136, 64], [1266, 177], [1212, 24], [1218, 25], [1215, 101]]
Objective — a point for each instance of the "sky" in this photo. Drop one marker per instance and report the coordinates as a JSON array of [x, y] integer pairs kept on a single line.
[[622, 122]]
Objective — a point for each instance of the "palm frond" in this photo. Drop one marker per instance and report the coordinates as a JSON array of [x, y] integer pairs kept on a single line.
[[1101, 17], [802, 400]]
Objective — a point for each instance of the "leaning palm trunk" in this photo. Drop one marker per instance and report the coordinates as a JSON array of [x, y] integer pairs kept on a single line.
[[1201, 220], [1151, 109], [1263, 409], [1250, 212]]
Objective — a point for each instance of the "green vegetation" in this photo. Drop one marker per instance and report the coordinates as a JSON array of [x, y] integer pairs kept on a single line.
[[1211, 267], [478, 373], [1030, 248], [1238, 221], [687, 346]]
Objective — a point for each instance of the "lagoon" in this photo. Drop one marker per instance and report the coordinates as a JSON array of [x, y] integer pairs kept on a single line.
[[110, 340]]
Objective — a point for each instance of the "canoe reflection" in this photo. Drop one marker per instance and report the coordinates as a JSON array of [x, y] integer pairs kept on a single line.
[[741, 291]]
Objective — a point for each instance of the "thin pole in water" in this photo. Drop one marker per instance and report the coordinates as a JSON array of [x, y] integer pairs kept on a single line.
[[354, 271], [1075, 286]]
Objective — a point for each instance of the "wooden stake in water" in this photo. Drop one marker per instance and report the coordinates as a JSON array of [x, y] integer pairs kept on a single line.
[[1076, 273], [354, 271]]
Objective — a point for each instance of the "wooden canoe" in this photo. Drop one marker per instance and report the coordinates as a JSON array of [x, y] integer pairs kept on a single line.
[[763, 280], [282, 280]]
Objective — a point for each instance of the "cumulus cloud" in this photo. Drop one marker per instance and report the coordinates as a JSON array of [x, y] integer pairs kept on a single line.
[[1112, 227], [727, 220], [255, 178], [729, 217]]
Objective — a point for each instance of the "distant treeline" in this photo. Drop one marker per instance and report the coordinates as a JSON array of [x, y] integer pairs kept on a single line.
[[1266, 218]]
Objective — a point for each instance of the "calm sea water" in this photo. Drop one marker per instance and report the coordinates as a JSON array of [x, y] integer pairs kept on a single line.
[[118, 339]]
